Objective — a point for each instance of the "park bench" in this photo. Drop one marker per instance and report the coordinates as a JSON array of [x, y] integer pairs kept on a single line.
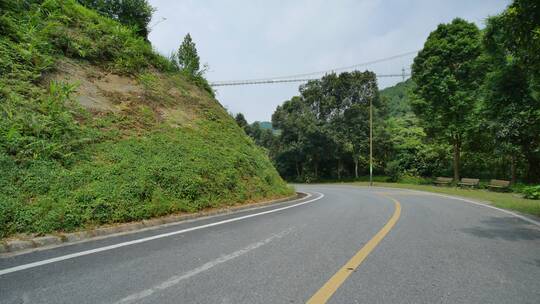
[[469, 182], [498, 184], [443, 181]]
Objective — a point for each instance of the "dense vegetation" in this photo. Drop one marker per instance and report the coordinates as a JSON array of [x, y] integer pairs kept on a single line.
[[262, 133], [134, 13], [65, 167], [471, 109], [447, 73], [397, 98]]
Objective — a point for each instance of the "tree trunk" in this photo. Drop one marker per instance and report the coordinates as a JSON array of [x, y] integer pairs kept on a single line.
[[339, 169], [457, 157], [356, 167], [297, 170], [533, 168], [513, 169], [316, 169]]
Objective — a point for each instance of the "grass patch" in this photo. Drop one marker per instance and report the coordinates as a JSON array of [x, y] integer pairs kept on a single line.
[[508, 201], [167, 171]]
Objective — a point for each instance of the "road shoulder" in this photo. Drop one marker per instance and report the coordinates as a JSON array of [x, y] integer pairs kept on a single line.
[[27, 244]]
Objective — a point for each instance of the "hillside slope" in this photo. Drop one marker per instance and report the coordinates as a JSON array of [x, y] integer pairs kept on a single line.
[[98, 128], [398, 99]]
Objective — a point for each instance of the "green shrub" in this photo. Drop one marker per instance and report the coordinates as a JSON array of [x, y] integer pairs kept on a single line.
[[169, 170], [133, 13], [393, 170], [415, 180], [531, 192]]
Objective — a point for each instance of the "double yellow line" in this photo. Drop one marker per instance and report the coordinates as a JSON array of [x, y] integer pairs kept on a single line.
[[330, 287]]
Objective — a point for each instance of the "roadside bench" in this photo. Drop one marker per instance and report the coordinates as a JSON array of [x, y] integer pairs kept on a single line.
[[469, 182], [498, 184], [443, 181]]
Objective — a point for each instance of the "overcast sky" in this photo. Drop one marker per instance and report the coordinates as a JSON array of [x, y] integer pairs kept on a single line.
[[258, 39]]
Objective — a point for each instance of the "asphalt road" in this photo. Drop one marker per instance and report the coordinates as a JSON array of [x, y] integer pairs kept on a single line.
[[357, 245]]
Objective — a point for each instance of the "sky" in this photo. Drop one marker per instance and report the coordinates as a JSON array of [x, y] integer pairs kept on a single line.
[[247, 39]]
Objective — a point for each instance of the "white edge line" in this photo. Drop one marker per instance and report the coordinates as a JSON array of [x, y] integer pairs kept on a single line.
[[202, 217], [154, 237], [527, 219]]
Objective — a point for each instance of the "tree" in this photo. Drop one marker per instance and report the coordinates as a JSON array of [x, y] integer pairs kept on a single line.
[[267, 139], [398, 98], [447, 73], [242, 122], [348, 97], [188, 59], [292, 119], [519, 28], [361, 90], [135, 13], [512, 101], [325, 130], [262, 137]]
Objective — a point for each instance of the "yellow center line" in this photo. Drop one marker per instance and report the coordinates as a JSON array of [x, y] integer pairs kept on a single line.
[[330, 287], [403, 193]]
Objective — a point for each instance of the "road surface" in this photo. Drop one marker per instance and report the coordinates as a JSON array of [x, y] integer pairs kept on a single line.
[[341, 245]]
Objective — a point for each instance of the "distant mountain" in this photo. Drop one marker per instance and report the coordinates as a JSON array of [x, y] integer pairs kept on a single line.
[[398, 99], [265, 125]]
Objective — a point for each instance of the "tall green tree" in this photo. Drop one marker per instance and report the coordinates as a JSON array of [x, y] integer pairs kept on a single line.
[[135, 13], [188, 59], [512, 96], [242, 122], [519, 28], [448, 72], [293, 119], [354, 93], [325, 130]]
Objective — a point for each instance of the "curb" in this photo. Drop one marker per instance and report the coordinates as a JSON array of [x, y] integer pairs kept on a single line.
[[20, 245]]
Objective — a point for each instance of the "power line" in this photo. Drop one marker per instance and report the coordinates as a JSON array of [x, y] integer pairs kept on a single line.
[[264, 81], [157, 22], [302, 77], [354, 66]]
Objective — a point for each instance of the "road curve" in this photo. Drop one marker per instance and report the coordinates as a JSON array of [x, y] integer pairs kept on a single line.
[[382, 245]]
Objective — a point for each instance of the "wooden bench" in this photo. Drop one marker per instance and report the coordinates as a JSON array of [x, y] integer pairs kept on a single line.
[[469, 182], [443, 181], [498, 184]]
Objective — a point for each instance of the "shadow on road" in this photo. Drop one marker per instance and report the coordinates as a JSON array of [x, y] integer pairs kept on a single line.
[[506, 228]]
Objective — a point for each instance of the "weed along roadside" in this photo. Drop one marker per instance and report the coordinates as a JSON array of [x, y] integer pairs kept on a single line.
[[26, 243]]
